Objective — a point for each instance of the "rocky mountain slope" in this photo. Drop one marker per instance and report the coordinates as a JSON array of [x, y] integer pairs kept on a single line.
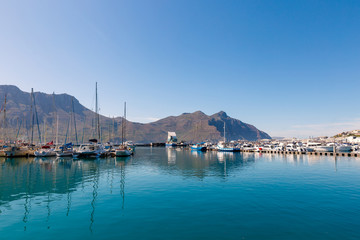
[[190, 127]]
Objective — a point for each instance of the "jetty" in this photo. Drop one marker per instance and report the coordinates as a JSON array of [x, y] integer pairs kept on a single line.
[[339, 154]]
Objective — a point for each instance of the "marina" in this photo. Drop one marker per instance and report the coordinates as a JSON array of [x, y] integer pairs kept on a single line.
[[158, 192], [179, 120]]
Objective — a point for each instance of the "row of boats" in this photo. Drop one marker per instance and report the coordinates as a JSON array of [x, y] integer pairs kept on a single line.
[[290, 147], [92, 149]]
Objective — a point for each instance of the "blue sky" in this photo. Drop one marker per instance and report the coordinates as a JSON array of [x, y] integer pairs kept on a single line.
[[291, 68]]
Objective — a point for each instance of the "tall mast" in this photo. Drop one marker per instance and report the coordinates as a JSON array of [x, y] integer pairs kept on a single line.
[[55, 118], [32, 117], [224, 133], [44, 130], [57, 129], [82, 139], [97, 113], [125, 121], [37, 120], [5, 125], [73, 111]]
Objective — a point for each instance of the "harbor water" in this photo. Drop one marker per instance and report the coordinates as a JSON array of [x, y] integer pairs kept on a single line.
[[165, 193]]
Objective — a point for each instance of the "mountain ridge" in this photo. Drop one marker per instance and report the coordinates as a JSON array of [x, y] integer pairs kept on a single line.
[[190, 127]]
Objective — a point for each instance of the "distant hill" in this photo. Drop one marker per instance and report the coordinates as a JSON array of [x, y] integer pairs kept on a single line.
[[353, 133], [190, 127]]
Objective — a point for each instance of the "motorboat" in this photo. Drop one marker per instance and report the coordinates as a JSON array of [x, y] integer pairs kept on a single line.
[[319, 147], [227, 147], [199, 147], [19, 151], [65, 150], [93, 149], [122, 151], [46, 151]]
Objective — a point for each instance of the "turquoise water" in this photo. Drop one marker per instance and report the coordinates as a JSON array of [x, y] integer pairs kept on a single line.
[[178, 194]]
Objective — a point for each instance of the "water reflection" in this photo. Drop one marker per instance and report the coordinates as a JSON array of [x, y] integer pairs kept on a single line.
[[94, 196], [171, 155], [24, 178], [86, 197]]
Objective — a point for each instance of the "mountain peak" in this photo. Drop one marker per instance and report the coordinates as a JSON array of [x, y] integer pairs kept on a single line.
[[221, 115]]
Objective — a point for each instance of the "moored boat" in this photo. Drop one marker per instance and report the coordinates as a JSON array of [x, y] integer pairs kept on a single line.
[[19, 151], [46, 151], [93, 149], [65, 150], [123, 151], [199, 147]]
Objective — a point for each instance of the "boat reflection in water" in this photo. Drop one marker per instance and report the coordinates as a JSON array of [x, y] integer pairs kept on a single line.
[[171, 155], [50, 182], [57, 198]]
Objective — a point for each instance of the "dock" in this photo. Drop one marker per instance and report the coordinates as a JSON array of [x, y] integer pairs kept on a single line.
[[338, 154]]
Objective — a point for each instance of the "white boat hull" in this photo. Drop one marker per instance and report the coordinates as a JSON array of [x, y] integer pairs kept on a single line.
[[122, 153], [324, 149], [343, 148]]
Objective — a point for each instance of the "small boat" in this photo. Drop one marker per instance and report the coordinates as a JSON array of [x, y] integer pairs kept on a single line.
[[19, 151], [318, 147], [2, 150], [199, 147], [226, 147], [93, 149], [46, 151], [343, 148], [223, 146], [122, 151], [65, 150]]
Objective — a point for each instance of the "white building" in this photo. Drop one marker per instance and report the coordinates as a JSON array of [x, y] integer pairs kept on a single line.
[[352, 139]]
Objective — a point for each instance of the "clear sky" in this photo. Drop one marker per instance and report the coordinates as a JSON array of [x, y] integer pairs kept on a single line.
[[291, 68]]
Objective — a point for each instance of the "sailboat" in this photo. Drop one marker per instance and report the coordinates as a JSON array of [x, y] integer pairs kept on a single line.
[[47, 150], [123, 150], [223, 146], [198, 146], [25, 150], [93, 149], [4, 147], [65, 150]]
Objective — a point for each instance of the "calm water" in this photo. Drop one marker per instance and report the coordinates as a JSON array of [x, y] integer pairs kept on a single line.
[[178, 194]]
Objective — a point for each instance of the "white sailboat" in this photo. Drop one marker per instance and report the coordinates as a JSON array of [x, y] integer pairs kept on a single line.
[[93, 149], [223, 146], [123, 150]]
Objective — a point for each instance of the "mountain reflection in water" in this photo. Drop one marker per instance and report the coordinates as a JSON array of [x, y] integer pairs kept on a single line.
[[241, 192]]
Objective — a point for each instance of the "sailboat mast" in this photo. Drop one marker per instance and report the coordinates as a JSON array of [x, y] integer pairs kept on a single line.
[[5, 125], [32, 116], [44, 126], [97, 113], [73, 111], [37, 120], [224, 133], [82, 139], [55, 118], [125, 121], [57, 129]]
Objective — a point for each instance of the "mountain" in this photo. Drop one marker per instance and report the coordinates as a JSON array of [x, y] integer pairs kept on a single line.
[[190, 127]]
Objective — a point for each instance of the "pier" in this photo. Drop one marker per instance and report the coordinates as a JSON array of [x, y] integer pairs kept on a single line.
[[338, 154]]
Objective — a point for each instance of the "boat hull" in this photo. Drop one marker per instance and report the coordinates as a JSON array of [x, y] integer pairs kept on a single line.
[[343, 148], [44, 154], [195, 148], [324, 149], [122, 153], [228, 149]]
